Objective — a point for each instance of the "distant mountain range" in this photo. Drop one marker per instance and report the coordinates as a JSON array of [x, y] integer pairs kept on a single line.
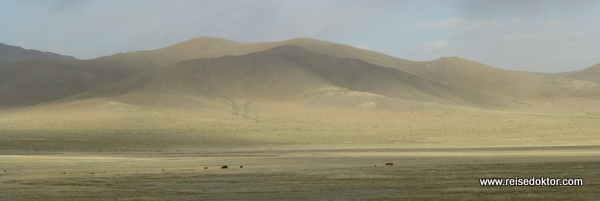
[[14, 54], [221, 75]]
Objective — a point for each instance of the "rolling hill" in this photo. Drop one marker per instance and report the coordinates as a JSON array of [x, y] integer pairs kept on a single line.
[[9, 54], [451, 71], [37, 81], [219, 74], [286, 73], [474, 76], [591, 74], [206, 47]]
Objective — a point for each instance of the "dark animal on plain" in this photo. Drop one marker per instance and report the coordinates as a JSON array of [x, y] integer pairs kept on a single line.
[[374, 165], [206, 168], [389, 164], [162, 169], [92, 173], [4, 170], [224, 167], [241, 166], [64, 172]]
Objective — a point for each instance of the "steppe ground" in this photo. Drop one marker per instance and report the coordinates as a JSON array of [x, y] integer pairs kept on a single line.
[[436, 157], [300, 173]]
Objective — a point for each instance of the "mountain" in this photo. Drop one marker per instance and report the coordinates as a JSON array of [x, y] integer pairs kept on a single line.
[[591, 74], [283, 73], [451, 71], [40, 80], [288, 88], [286, 83], [10, 54], [460, 73], [65, 78], [206, 47], [474, 76], [445, 80]]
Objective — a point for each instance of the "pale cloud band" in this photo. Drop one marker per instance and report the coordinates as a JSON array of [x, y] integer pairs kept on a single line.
[[432, 45]]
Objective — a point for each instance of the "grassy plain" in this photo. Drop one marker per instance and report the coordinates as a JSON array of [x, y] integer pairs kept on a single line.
[[437, 155], [300, 173], [272, 127]]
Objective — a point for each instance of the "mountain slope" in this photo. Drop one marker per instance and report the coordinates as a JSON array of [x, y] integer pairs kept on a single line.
[[38, 81], [452, 71], [591, 74], [474, 76], [41, 80], [461, 73], [284, 73], [207, 47], [10, 53], [216, 84]]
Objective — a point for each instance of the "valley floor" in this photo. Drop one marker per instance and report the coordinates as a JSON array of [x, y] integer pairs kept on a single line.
[[437, 155], [298, 173]]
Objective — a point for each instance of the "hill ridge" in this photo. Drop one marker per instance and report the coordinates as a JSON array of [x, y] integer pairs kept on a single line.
[[61, 79], [283, 73], [10, 54], [591, 74]]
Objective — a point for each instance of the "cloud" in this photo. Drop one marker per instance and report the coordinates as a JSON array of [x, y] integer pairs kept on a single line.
[[555, 22], [63, 5], [462, 23], [433, 45], [483, 24], [522, 38], [524, 8], [540, 38]]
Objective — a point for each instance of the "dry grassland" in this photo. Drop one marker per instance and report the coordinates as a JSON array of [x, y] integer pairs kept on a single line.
[[438, 154], [312, 126], [300, 173]]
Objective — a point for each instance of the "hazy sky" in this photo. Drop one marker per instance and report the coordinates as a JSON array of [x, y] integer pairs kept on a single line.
[[526, 35]]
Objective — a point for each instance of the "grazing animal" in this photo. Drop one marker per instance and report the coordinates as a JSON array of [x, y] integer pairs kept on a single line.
[[374, 165], [206, 168], [224, 167], [389, 164], [4, 170], [92, 173], [162, 169], [241, 166], [64, 172]]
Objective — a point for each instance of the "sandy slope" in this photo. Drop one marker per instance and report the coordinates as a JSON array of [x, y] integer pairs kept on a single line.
[[590, 74]]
